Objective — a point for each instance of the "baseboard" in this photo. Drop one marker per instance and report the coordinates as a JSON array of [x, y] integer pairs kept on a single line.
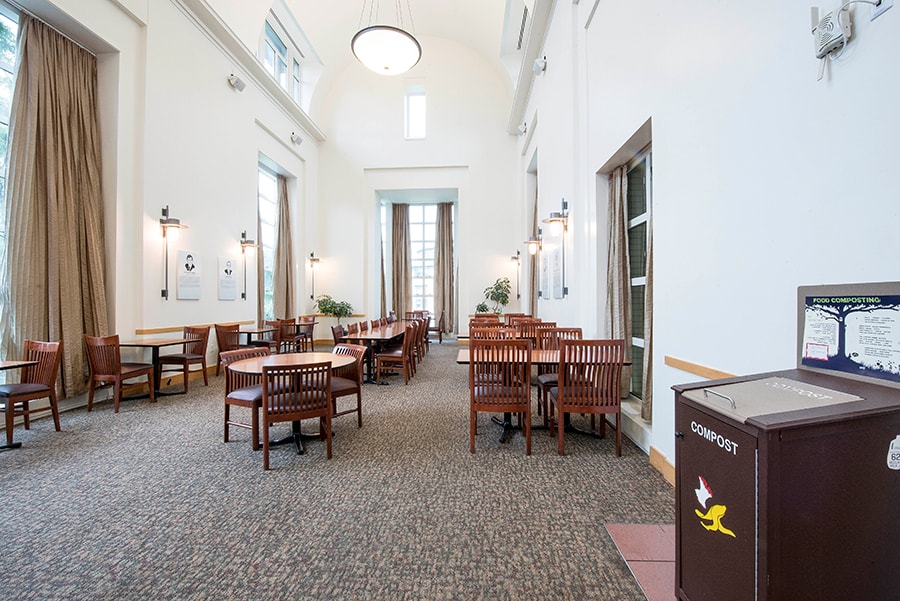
[[662, 465]]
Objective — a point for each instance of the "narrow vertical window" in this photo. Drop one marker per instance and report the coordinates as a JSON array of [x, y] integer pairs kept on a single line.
[[275, 57], [422, 233], [268, 196], [8, 30], [638, 216], [296, 77], [414, 112]]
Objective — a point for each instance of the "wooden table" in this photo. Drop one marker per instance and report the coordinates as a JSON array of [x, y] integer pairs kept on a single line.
[[254, 366], [258, 331], [154, 346], [372, 338], [4, 365]]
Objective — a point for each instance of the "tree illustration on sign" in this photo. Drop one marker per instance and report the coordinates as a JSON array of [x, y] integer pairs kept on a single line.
[[838, 312]]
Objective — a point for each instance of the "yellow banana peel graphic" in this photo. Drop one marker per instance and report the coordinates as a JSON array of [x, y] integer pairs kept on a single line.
[[714, 515]]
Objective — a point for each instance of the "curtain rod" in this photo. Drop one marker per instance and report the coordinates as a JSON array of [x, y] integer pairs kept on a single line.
[[18, 7]]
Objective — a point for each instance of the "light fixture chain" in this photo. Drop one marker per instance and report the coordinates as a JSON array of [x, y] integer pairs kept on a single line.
[[412, 26]]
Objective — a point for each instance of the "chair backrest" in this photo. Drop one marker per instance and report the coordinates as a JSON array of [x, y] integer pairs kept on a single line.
[[487, 316], [103, 354], [376, 323], [200, 337], [305, 328], [383, 321], [278, 334], [364, 326], [500, 370], [354, 371], [235, 380], [549, 338], [306, 319], [228, 336], [297, 390], [337, 332], [528, 328], [507, 317], [47, 354], [353, 328], [491, 333], [590, 374], [392, 316]]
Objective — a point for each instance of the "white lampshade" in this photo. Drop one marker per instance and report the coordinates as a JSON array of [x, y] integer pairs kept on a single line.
[[386, 50]]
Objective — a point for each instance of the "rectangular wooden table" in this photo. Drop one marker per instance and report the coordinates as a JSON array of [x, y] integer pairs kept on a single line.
[[154, 346], [373, 338]]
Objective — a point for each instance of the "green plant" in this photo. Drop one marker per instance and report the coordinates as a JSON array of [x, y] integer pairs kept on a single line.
[[497, 293], [328, 306]]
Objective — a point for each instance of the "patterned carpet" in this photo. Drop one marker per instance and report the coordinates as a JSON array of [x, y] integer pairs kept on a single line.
[[151, 504]]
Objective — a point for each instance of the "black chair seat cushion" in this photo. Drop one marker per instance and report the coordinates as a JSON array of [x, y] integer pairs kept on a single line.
[[547, 379], [8, 390], [341, 386], [179, 357], [248, 394]]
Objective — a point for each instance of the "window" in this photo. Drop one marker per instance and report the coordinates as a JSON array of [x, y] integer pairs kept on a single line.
[[9, 27], [268, 201], [296, 87], [638, 217], [422, 233], [275, 56], [414, 112]]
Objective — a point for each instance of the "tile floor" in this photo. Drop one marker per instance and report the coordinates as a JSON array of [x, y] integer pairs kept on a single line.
[[649, 551]]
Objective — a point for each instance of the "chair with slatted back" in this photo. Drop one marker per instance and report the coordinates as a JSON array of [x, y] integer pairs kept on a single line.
[[337, 332], [243, 390], [228, 338], [105, 359], [439, 328], [348, 380], [364, 326], [291, 393], [549, 340], [352, 328], [499, 382], [398, 360], [507, 317], [303, 336], [491, 333], [589, 382], [194, 353], [37, 382]]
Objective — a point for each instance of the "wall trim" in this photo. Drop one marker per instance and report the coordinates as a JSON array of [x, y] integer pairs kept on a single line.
[[698, 370], [662, 465]]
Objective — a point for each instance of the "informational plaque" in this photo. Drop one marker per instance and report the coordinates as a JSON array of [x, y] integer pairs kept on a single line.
[[857, 334], [188, 275], [227, 279]]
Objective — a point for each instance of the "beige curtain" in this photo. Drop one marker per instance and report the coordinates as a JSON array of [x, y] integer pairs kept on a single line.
[[618, 283], [260, 273], [283, 270], [53, 262], [443, 266], [401, 273], [384, 309], [534, 264], [647, 384]]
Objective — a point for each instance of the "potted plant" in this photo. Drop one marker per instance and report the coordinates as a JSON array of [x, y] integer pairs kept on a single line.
[[328, 306], [498, 294]]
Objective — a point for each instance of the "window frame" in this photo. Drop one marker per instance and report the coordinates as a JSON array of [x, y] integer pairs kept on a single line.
[[638, 343], [267, 235]]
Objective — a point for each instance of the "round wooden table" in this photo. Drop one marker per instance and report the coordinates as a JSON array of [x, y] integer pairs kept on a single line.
[[255, 365]]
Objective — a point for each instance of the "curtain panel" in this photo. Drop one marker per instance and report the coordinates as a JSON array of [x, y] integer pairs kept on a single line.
[[283, 270], [533, 264], [401, 249], [443, 267], [618, 283], [53, 263]]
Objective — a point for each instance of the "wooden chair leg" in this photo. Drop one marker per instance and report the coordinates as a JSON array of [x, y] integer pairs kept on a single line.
[[227, 419], [54, 408]]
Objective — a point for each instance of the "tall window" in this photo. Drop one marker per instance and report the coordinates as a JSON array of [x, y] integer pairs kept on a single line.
[[422, 233], [275, 56], [9, 26], [414, 111], [295, 89], [268, 201], [638, 216]]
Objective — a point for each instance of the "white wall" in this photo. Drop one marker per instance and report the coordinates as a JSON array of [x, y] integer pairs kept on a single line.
[[764, 179], [466, 147]]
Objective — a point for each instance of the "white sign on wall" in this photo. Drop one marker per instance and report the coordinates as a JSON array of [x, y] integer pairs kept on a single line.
[[227, 278], [188, 275]]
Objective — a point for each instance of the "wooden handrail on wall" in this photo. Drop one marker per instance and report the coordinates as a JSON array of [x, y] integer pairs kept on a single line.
[[698, 370], [173, 329]]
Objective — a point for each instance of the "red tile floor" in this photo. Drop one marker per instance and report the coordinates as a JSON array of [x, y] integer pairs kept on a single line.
[[649, 551]]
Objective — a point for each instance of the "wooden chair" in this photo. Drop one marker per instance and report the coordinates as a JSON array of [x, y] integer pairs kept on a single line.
[[507, 317], [295, 392], [392, 316], [500, 382], [487, 316], [37, 381], [303, 336], [194, 353], [589, 382], [228, 338], [397, 360], [439, 328], [364, 326], [348, 380], [547, 377], [106, 364], [337, 332], [270, 340], [243, 390], [491, 333]]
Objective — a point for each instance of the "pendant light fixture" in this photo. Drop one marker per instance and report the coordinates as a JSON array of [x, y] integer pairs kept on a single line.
[[385, 49]]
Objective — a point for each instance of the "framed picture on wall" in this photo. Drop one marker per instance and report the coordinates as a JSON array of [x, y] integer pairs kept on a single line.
[[545, 276], [188, 275], [227, 278], [557, 273]]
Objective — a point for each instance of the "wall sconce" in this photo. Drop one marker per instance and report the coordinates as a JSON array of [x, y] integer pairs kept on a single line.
[[296, 139], [522, 129], [313, 262], [539, 66], [516, 258], [245, 244], [170, 227], [534, 243], [236, 82], [559, 225]]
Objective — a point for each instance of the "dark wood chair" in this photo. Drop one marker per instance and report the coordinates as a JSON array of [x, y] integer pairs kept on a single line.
[[398, 360], [353, 328], [194, 353], [243, 390], [37, 382], [303, 335], [228, 338], [439, 328], [491, 333], [547, 377], [348, 380], [589, 382], [500, 382], [295, 392], [337, 332], [105, 359]]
